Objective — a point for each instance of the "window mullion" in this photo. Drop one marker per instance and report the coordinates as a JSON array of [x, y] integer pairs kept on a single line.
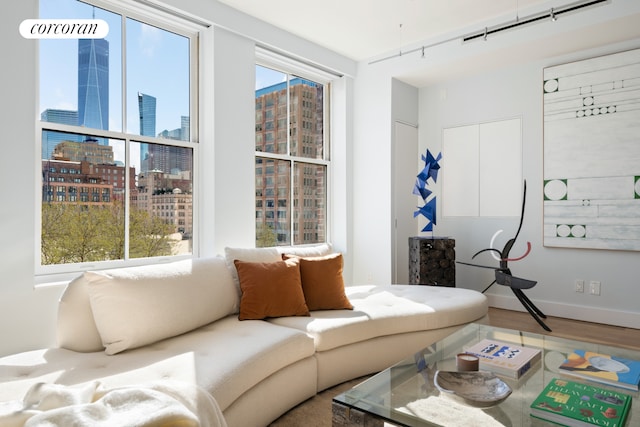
[[290, 208], [127, 145], [288, 115], [127, 196], [292, 221], [123, 71]]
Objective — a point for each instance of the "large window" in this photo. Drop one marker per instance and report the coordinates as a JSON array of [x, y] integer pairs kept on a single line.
[[117, 135], [292, 158]]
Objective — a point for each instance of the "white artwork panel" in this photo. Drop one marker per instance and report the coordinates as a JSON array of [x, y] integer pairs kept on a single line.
[[592, 153], [501, 168], [482, 170], [460, 170]]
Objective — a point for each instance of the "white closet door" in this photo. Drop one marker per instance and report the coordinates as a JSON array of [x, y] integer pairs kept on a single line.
[[406, 167]]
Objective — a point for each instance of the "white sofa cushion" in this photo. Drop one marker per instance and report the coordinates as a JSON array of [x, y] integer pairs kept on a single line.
[[270, 254], [137, 306], [306, 250], [387, 310], [248, 255], [227, 358], [76, 330]]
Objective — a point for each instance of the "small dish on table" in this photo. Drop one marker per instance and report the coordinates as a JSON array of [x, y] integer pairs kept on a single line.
[[480, 389]]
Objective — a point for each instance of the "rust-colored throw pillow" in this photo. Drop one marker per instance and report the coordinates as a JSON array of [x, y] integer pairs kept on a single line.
[[270, 289], [322, 282]]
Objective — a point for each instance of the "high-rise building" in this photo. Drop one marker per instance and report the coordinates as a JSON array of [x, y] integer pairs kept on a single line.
[[87, 151], [93, 84], [185, 128], [51, 138], [182, 133], [147, 114], [166, 158]]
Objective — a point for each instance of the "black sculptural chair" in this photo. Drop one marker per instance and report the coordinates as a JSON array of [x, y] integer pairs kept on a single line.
[[503, 274]]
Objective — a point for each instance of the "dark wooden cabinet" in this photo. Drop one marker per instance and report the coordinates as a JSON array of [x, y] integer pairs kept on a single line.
[[432, 261]]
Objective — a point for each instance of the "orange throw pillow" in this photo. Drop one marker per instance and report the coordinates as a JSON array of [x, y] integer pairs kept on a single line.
[[270, 289], [322, 282]]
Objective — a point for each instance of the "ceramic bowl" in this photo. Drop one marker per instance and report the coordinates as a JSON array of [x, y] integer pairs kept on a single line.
[[479, 389]]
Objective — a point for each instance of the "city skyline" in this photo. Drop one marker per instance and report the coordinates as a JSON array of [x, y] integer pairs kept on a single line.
[[147, 49], [93, 84]]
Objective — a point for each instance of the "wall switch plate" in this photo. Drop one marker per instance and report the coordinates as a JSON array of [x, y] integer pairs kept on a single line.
[[579, 285], [594, 287]]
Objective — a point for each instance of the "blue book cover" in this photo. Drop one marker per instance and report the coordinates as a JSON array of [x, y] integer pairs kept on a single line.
[[603, 368]]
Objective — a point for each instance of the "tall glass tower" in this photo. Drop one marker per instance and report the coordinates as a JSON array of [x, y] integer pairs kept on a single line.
[[51, 138], [93, 84], [147, 112]]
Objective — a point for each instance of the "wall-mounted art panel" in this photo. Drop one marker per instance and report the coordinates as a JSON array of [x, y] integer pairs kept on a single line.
[[592, 153], [482, 169]]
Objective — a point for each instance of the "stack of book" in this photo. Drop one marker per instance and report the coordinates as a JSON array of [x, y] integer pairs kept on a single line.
[[580, 405], [504, 358]]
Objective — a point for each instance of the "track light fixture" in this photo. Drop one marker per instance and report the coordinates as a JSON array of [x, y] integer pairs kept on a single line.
[[518, 22], [553, 14]]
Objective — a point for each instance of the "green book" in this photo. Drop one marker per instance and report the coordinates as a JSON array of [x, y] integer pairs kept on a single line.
[[575, 404]]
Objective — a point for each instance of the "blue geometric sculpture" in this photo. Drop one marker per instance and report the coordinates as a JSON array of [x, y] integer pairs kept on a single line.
[[430, 170]]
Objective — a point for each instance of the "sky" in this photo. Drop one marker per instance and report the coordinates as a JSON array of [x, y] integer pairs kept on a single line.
[[267, 77], [157, 65]]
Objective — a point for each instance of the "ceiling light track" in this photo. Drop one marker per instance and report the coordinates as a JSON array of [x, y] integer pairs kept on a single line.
[[551, 15]]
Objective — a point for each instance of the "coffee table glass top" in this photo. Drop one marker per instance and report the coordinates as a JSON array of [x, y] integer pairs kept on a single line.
[[405, 395]]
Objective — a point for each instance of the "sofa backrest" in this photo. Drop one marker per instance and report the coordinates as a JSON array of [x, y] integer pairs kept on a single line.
[[128, 307]]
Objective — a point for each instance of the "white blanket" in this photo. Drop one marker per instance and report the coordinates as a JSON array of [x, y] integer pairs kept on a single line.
[[162, 403], [445, 412]]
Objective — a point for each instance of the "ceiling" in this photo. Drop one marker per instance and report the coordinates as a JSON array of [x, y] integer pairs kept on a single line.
[[362, 29], [376, 30]]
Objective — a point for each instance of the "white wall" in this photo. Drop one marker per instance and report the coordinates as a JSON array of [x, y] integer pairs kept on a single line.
[[26, 316], [517, 92], [468, 84], [226, 173]]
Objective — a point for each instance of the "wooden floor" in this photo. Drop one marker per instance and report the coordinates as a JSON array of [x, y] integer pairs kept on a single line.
[[566, 328]]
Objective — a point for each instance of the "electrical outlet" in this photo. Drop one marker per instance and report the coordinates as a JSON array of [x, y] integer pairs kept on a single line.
[[594, 287], [579, 285]]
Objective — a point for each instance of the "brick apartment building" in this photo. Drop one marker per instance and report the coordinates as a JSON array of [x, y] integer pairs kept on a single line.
[[304, 112]]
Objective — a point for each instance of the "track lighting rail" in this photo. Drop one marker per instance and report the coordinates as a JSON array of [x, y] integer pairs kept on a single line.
[[551, 15]]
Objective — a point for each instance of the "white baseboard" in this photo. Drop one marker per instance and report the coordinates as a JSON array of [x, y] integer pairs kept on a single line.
[[625, 319]]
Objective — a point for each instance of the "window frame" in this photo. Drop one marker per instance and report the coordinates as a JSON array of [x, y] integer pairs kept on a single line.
[[167, 20], [295, 68]]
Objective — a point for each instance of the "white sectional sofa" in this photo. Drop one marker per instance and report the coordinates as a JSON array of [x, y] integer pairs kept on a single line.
[[179, 323]]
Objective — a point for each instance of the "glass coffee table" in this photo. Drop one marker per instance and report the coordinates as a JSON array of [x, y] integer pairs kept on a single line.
[[405, 395]]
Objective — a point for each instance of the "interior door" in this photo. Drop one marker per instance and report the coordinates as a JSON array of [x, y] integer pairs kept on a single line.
[[406, 161]]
